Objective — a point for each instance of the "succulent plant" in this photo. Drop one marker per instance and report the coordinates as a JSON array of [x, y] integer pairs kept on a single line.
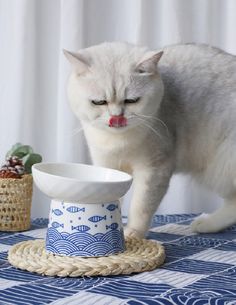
[[29, 160], [26, 154], [19, 150]]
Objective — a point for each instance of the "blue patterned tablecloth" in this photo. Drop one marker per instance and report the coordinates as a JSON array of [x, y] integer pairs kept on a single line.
[[199, 269]]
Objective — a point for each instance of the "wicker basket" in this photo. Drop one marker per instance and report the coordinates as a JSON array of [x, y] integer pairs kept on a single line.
[[15, 203]]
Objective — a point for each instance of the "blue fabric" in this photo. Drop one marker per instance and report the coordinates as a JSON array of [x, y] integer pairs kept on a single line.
[[199, 269]]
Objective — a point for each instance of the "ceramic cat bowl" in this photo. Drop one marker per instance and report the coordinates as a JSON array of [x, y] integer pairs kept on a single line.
[[85, 215]]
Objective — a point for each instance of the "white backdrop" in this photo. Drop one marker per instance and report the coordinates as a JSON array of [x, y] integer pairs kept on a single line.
[[33, 71]]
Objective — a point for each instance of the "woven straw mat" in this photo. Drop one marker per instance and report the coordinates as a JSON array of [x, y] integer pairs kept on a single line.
[[140, 255]]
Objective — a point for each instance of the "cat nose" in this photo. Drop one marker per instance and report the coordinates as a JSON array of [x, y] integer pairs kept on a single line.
[[116, 111], [121, 113]]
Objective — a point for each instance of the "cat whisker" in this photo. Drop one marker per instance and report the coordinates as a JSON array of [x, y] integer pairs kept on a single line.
[[152, 118], [75, 132], [131, 117], [78, 130], [149, 127]]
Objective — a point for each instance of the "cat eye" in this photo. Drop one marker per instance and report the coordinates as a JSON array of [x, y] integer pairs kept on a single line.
[[141, 71], [99, 103], [131, 101]]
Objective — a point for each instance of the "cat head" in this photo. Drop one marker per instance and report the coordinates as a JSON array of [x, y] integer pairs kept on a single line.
[[114, 85]]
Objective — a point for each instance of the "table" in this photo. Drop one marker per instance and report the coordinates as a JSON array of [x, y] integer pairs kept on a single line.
[[199, 269]]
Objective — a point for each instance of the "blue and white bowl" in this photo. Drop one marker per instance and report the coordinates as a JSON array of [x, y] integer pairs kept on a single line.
[[85, 215], [77, 229]]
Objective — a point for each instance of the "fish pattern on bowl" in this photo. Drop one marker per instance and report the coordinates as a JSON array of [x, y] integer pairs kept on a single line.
[[85, 230]]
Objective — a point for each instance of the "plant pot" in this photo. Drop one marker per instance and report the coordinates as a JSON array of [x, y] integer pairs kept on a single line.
[[15, 203]]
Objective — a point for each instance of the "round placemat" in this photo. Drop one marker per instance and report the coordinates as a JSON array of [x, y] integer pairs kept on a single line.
[[140, 255]]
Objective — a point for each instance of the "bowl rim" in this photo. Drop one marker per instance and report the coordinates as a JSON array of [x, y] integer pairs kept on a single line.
[[36, 167]]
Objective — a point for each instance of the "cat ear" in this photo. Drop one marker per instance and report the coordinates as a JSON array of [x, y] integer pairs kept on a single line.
[[77, 60], [149, 64]]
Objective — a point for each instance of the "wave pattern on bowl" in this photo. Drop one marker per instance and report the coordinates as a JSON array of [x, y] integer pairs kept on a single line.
[[84, 243]]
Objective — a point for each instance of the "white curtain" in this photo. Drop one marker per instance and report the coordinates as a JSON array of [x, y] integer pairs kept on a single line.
[[33, 71]]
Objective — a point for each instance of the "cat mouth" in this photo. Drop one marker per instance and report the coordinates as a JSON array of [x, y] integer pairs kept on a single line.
[[117, 121]]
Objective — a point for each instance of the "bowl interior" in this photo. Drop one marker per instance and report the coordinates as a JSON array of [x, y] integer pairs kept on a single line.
[[83, 172], [80, 182]]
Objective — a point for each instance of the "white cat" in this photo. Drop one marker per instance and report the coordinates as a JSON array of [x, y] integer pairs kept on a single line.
[[153, 119]]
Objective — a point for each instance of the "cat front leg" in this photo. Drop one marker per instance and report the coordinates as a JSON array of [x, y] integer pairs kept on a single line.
[[150, 186]]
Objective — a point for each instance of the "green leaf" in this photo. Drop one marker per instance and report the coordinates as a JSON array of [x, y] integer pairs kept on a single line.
[[13, 148], [30, 160], [22, 151]]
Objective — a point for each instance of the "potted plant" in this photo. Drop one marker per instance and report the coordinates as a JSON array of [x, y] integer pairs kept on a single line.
[[16, 187]]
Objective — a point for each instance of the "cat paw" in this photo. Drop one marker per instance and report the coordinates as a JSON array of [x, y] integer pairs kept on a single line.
[[129, 232], [204, 224]]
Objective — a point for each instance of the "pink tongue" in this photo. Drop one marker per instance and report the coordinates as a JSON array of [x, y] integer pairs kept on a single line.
[[117, 121]]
